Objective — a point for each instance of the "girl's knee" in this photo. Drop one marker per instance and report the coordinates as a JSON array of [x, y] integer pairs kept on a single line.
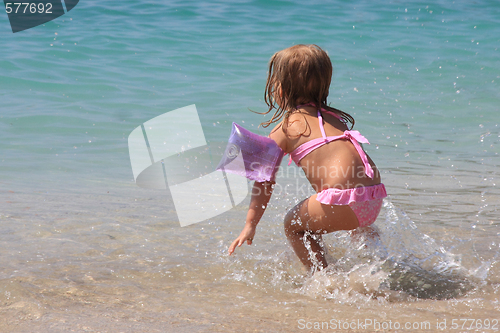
[[296, 219], [293, 223]]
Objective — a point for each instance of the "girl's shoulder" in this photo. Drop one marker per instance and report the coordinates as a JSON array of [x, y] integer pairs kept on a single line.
[[279, 136], [296, 126]]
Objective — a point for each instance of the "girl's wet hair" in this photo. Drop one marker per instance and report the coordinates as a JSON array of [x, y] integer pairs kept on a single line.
[[303, 74]]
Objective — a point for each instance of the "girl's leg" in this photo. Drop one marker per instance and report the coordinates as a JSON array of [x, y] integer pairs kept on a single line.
[[311, 217]]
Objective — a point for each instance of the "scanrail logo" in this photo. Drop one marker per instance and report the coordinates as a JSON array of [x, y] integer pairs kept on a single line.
[[170, 151], [26, 15]]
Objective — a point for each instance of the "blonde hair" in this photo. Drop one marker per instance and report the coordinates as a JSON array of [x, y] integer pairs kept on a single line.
[[298, 75]]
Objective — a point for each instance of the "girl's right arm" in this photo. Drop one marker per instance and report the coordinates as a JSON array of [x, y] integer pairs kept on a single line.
[[261, 193]]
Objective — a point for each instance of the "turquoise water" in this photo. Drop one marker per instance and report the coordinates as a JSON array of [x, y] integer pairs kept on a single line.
[[421, 79]]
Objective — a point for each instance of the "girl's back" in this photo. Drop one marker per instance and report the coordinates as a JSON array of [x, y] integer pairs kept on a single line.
[[336, 164]]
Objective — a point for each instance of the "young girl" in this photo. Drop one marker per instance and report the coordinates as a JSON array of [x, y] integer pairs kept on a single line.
[[319, 139]]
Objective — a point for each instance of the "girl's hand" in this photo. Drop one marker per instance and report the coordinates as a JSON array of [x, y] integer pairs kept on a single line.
[[246, 234]]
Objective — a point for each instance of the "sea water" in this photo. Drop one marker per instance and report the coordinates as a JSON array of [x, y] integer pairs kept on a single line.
[[85, 249]]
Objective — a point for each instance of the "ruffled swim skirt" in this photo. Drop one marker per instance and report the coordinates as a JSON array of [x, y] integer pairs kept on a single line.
[[365, 201]]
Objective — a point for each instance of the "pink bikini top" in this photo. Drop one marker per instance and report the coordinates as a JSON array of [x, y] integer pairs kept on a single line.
[[354, 136]]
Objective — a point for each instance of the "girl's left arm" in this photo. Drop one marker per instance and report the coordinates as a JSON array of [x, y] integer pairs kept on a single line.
[[261, 193]]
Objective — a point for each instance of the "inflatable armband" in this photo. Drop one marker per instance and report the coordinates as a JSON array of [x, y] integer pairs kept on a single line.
[[250, 155]]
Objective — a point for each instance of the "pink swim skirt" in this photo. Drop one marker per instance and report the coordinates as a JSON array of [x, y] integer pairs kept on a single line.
[[365, 201]]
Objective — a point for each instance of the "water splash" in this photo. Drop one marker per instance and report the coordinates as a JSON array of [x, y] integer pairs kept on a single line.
[[390, 261]]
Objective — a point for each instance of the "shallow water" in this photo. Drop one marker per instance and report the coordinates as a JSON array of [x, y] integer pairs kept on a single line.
[[85, 249], [99, 261]]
